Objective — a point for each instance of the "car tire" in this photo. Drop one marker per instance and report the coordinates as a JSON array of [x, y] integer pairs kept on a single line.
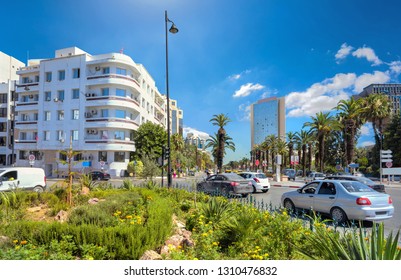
[[338, 215], [289, 205], [264, 191], [254, 189], [38, 189], [200, 188]]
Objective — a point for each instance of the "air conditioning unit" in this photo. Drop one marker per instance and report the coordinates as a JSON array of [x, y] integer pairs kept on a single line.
[[93, 94], [31, 96], [88, 115], [94, 131], [87, 94], [55, 99], [97, 68], [61, 140], [89, 131], [94, 112]]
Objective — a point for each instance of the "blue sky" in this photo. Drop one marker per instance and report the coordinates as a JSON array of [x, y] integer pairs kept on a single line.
[[228, 54]]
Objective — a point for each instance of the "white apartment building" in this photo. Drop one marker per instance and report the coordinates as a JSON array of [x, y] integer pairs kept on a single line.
[[8, 76], [92, 102]]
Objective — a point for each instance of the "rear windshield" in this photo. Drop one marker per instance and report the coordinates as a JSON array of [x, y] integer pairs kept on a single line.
[[260, 175], [366, 181], [354, 187]]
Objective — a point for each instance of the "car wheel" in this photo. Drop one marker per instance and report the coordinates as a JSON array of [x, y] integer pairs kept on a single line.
[[289, 205], [254, 189], [265, 191], [338, 215], [200, 188], [244, 194], [38, 189], [224, 192]]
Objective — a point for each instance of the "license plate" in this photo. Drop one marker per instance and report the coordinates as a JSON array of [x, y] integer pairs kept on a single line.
[[381, 213]]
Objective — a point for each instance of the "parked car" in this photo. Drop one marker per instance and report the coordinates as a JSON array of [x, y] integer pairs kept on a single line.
[[24, 178], [314, 176], [259, 181], [342, 199], [376, 186], [291, 173], [99, 175], [226, 184]]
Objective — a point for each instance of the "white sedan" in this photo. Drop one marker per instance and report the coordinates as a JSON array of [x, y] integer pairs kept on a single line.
[[259, 180], [342, 200]]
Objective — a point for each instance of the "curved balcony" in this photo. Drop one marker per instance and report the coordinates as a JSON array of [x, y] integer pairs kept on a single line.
[[99, 122], [125, 102], [107, 79]]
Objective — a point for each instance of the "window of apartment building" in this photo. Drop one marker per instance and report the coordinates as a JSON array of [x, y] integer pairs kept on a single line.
[[78, 157], [104, 113], [62, 156], [60, 115], [74, 134], [48, 76], [3, 126], [121, 71], [104, 134], [119, 156], [3, 98], [25, 98], [48, 95], [60, 135], [46, 135], [76, 73], [3, 112], [61, 75], [23, 155], [120, 114], [47, 115], [35, 116], [102, 156], [120, 135], [75, 114], [105, 70], [121, 92], [35, 136], [37, 78], [143, 102], [22, 136], [25, 80], [3, 141], [105, 91], [60, 95], [75, 93]]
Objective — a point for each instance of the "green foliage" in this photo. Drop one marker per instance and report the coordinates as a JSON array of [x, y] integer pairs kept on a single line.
[[149, 140], [150, 168], [136, 168]]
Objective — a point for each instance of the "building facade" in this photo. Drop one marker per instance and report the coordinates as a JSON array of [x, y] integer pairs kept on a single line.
[[8, 77], [393, 91], [91, 103], [176, 118], [267, 118]]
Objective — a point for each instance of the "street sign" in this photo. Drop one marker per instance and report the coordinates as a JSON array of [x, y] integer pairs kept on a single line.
[[102, 163], [389, 164], [31, 157], [257, 162]]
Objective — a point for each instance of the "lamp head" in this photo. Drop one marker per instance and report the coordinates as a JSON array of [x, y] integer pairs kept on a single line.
[[173, 29]]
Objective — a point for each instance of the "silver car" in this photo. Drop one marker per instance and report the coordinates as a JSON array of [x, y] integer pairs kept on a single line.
[[226, 184], [314, 176], [342, 200], [260, 182]]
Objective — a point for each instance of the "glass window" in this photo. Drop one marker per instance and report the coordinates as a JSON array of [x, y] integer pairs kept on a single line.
[[105, 92], [76, 73], [75, 114], [74, 134], [120, 114], [75, 93], [47, 115], [48, 95], [60, 94], [105, 113], [121, 71], [22, 136], [61, 75], [46, 136], [48, 76], [105, 70], [103, 156], [121, 92], [60, 115], [119, 156], [60, 135], [119, 135]]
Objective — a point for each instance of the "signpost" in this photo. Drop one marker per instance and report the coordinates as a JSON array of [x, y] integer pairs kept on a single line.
[[31, 159], [385, 157]]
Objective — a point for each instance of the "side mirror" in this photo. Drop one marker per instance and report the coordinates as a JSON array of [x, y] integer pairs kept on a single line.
[[299, 190]]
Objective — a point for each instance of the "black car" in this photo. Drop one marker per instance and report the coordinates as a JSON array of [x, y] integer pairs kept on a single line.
[[99, 175], [226, 184], [374, 185]]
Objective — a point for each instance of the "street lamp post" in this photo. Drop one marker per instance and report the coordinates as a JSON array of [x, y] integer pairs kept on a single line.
[[173, 29]]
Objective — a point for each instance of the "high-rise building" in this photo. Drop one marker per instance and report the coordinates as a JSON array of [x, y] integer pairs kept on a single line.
[[393, 91], [267, 118], [8, 77], [176, 117], [93, 103]]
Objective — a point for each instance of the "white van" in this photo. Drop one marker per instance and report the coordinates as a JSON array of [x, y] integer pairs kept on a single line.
[[24, 178]]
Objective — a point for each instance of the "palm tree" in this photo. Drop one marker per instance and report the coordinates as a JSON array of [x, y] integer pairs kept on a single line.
[[350, 116], [221, 121], [377, 109], [270, 144], [322, 124], [213, 142], [303, 138], [291, 138]]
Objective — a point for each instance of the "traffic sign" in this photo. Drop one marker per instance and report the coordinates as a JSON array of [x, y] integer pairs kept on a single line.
[[257, 162], [31, 157], [389, 164], [102, 163]]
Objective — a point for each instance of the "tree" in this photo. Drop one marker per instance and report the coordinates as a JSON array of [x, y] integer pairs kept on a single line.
[[214, 143], [392, 139], [291, 138], [321, 125], [270, 145], [221, 121], [351, 118], [303, 139], [149, 140]]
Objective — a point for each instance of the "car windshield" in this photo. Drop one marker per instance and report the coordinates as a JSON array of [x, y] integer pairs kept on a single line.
[[355, 186], [366, 181], [260, 175]]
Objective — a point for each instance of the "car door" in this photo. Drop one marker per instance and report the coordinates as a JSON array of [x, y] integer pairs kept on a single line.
[[325, 197], [305, 197], [211, 184]]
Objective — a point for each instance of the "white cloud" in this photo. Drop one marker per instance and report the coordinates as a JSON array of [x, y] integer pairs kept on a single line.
[[235, 77], [369, 54], [247, 89], [321, 96], [194, 131], [366, 144], [366, 79], [366, 130], [395, 67], [245, 109], [343, 52]]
